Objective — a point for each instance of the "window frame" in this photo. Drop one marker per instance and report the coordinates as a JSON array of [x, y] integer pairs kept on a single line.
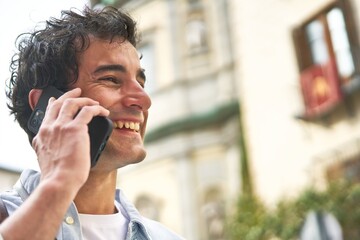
[[302, 47], [346, 86]]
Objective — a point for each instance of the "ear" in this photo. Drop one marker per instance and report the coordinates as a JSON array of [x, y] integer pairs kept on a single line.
[[34, 96]]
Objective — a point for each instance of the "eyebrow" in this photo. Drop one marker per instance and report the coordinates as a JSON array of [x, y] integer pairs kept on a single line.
[[112, 67], [119, 68]]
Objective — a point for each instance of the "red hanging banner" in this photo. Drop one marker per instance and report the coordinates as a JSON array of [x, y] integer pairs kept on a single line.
[[320, 86]]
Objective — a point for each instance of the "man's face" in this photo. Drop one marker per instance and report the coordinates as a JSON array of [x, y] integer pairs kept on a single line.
[[110, 73]]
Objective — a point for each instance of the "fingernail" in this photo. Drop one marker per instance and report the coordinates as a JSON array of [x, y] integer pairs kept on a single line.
[[51, 99]]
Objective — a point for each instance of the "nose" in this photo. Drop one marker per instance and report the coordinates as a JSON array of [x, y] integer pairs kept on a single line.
[[135, 96]]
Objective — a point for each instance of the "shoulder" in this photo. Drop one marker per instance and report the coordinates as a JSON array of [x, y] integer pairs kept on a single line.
[[13, 198], [158, 231]]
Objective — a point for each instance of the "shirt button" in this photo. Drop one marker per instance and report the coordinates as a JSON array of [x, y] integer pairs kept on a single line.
[[69, 220]]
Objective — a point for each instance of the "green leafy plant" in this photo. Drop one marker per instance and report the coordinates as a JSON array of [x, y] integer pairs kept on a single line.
[[253, 220]]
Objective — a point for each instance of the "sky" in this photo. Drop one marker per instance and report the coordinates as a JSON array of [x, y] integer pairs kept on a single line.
[[18, 16]]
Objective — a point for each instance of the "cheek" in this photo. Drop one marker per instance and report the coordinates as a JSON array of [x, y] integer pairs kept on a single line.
[[97, 93], [104, 96]]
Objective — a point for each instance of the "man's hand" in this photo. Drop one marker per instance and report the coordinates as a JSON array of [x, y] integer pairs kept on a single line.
[[62, 143], [63, 150]]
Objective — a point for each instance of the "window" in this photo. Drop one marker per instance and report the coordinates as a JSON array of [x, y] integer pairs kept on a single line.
[[348, 169], [340, 43], [196, 35], [343, 162], [213, 214], [324, 47], [196, 28], [326, 36]]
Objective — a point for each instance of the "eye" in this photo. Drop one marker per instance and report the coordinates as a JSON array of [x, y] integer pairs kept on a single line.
[[141, 83], [141, 78], [110, 79]]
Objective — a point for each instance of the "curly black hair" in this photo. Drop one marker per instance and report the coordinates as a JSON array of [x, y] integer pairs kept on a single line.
[[49, 56]]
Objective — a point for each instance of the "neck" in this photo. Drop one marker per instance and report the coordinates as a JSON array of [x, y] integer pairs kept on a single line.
[[97, 195]]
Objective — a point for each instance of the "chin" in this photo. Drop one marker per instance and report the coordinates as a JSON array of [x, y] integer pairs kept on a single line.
[[109, 162], [139, 157], [123, 156]]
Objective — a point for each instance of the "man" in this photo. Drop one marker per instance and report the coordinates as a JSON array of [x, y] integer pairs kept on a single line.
[[90, 56]]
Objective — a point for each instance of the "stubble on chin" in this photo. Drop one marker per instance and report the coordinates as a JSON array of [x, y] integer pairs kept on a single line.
[[121, 155]]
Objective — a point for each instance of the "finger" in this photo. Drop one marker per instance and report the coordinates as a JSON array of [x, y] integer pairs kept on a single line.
[[67, 106], [88, 112], [71, 107], [73, 93]]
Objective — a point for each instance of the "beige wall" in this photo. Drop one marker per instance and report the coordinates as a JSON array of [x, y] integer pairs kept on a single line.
[[284, 151], [157, 180]]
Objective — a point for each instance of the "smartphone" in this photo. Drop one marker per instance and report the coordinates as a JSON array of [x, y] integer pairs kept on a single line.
[[100, 128]]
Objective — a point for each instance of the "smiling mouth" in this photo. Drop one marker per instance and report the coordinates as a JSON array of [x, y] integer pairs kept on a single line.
[[135, 126]]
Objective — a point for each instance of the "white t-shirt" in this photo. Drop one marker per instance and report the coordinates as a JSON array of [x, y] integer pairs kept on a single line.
[[104, 227]]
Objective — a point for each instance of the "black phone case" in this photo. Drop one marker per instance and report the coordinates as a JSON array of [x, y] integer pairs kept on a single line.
[[100, 128]]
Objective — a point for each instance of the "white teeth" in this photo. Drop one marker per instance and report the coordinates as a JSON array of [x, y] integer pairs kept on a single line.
[[129, 125]]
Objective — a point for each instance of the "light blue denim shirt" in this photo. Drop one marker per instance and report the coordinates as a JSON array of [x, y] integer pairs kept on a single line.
[[140, 228]]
